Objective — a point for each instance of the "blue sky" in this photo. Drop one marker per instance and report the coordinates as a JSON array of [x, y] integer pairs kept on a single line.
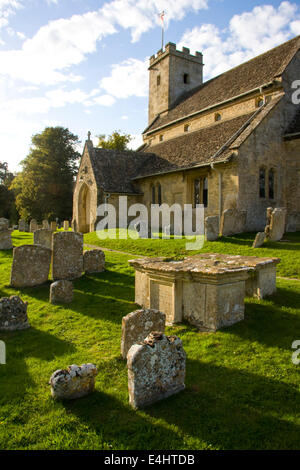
[[82, 64]]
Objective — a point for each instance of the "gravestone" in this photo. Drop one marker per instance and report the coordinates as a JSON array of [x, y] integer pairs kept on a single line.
[[66, 225], [45, 224], [74, 382], [5, 239], [53, 226], [61, 292], [30, 266], [93, 261], [233, 221], [33, 226], [277, 224], [43, 237], [23, 226], [4, 224], [259, 240], [211, 228], [137, 325], [156, 369], [13, 314], [67, 257]]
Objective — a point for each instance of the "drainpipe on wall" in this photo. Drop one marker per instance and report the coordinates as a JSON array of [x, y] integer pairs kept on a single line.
[[212, 165]]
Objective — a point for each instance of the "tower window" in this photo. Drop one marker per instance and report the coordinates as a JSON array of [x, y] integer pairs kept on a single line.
[[259, 102], [186, 78], [187, 128], [161, 138], [262, 183], [218, 117], [158, 80]]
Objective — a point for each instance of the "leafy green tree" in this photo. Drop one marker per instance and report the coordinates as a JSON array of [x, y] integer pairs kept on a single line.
[[116, 141], [44, 188], [7, 198]]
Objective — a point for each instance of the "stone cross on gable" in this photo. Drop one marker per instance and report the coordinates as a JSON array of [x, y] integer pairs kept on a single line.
[[89, 135]]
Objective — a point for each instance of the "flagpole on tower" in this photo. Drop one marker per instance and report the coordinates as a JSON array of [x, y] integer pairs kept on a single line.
[[162, 29]]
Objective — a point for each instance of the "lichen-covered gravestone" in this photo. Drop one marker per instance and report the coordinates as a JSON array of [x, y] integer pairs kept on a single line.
[[156, 369], [74, 382], [53, 225], [33, 226], [212, 228], [137, 325], [67, 257], [4, 224], [259, 240], [93, 261], [45, 224], [5, 234], [232, 221], [43, 237], [30, 266], [277, 224], [61, 292], [13, 314], [66, 225], [23, 226]]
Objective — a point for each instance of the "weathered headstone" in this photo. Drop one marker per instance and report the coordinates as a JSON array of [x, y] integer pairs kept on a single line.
[[5, 239], [137, 325], [30, 266], [74, 382], [66, 225], [259, 240], [53, 225], [61, 292], [211, 228], [45, 224], [33, 226], [277, 224], [43, 237], [93, 261], [67, 257], [233, 221], [23, 226], [13, 314], [4, 224], [156, 369]]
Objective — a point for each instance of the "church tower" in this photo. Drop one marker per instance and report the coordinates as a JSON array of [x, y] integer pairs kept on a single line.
[[172, 73]]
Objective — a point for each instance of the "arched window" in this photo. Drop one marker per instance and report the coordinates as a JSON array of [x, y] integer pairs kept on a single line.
[[196, 192], [271, 184], [186, 128], [262, 182], [159, 193], [153, 194]]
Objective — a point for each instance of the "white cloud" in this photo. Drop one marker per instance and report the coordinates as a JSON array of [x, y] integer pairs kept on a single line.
[[136, 141], [103, 100], [247, 36], [7, 9], [129, 78]]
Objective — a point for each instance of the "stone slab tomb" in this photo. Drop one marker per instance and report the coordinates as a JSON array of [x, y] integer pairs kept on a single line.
[[61, 292], [156, 369], [67, 255], [206, 290], [93, 261], [139, 324], [13, 314], [212, 228], [30, 266], [43, 237], [74, 382]]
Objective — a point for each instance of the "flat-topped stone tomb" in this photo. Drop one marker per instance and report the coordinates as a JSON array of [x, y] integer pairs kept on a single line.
[[207, 290]]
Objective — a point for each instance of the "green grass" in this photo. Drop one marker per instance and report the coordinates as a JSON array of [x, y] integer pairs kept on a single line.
[[242, 389], [287, 250]]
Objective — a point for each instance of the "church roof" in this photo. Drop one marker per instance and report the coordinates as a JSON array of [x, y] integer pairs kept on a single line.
[[244, 78]]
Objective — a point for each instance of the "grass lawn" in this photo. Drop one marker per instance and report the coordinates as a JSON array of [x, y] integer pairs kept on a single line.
[[242, 389]]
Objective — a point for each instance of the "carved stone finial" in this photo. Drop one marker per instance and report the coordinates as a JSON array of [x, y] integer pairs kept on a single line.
[[89, 135]]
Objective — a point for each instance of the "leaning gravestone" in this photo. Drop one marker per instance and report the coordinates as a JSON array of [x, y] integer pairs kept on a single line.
[[33, 226], [277, 224], [233, 221], [156, 369], [13, 314], [75, 382], [30, 266], [137, 325], [61, 292], [43, 237], [259, 240], [93, 261], [212, 228], [67, 257]]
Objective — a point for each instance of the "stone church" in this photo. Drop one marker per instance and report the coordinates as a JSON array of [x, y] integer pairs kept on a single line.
[[230, 142]]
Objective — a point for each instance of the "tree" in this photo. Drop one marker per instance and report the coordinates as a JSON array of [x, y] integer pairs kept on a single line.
[[7, 199], [44, 188], [116, 141]]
